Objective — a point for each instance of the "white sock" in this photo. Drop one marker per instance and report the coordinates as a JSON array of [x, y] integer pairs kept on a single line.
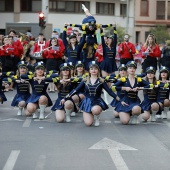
[[68, 112], [20, 111], [42, 110], [153, 116], [35, 114]]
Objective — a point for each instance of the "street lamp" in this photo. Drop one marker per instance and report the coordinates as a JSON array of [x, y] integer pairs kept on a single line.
[[127, 14]]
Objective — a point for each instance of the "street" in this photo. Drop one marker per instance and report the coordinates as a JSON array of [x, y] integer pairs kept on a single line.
[[27, 144]]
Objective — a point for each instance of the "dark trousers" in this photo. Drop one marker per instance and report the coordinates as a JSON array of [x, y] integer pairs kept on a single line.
[[149, 61], [125, 60]]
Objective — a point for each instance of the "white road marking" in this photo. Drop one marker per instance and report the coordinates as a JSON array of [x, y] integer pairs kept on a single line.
[[113, 148], [27, 123], [11, 160], [41, 162], [11, 119]]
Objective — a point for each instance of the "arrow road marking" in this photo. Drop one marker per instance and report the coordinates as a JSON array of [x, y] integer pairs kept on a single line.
[[113, 148], [11, 160]]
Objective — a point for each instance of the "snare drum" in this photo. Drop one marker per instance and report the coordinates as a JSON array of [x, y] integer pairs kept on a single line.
[[38, 55]]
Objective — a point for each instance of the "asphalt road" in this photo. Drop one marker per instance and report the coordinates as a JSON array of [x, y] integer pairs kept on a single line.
[[27, 144]]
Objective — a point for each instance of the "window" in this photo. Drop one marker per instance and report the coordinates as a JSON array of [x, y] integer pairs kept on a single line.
[[123, 9], [67, 6], [144, 8], [31, 5], [7, 6], [168, 10], [105, 8], [160, 10]]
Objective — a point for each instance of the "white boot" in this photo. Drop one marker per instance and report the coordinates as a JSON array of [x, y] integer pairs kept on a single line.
[[134, 120], [153, 116], [105, 97], [68, 112], [42, 110], [20, 111], [96, 120], [165, 113], [84, 7], [35, 115], [73, 114]]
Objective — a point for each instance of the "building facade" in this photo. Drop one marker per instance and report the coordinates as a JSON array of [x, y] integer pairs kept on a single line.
[[58, 12], [148, 14]]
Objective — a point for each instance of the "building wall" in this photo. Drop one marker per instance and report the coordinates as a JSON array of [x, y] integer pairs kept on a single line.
[[144, 23], [58, 19]]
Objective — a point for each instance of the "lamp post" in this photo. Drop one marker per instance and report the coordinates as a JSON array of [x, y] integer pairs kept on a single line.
[[127, 14]]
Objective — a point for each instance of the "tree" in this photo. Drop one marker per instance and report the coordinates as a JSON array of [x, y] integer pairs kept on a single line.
[[120, 32], [161, 33]]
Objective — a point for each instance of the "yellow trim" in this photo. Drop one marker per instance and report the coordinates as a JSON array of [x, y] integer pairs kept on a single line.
[[102, 34], [83, 27], [65, 29], [84, 32], [9, 80], [73, 25], [139, 79], [113, 88], [123, 79], [115, 32], [108, 25], [151, 86], [30, 76], [158, 83], [166, 85], [54, 80]]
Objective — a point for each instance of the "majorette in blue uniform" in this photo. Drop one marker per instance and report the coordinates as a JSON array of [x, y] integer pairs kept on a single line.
[[131, 97], [109, 64], [92, 93], [119, 93], [63, 90], [163, 92], [39, 88], [150, 95], [73, 54], [23, 90]]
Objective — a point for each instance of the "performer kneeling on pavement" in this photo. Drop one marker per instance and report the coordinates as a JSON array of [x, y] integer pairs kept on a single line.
[[63, 109], [121, 75], [130, 105], [92, 105], [23, 88], [163, 92], [150, 105], [39, 97]]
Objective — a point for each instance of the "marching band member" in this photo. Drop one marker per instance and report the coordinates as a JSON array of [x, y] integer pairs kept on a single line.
[[18, 44], [53, 56], [23, 88], [39, 97], [130, 103], [163, 93], [108, 65], [39, 45], [73, 48], [64, 86], [92, 105], [122, 74], [150, 105], [126, 50], [150, 51]]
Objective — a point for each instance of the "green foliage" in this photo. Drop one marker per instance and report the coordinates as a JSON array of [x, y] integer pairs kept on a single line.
[[161, 33], [120, 32]]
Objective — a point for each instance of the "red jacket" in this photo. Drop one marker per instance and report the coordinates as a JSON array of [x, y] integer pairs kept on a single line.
[[52, 53], [156, 52], [125, 53], [11, 50], [19, 47], [60, 43]]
